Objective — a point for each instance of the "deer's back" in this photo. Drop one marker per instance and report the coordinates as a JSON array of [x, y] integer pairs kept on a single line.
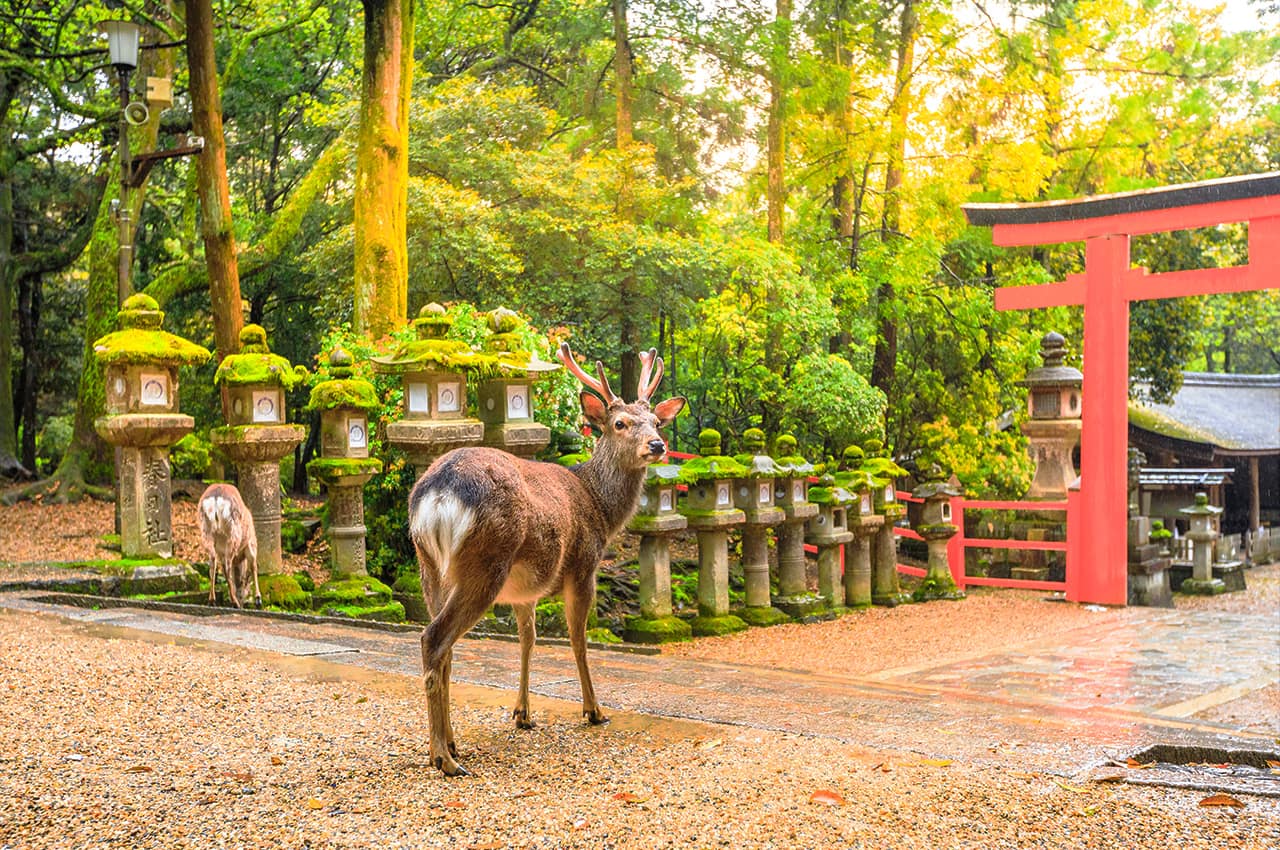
[[479, 506]]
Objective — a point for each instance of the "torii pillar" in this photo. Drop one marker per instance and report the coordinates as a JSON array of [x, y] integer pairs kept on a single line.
[[1096, 554]]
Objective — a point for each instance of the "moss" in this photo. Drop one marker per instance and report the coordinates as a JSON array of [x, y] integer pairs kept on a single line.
[[328, 469], [255, 364], [711, 467], [831, 496], [118, 566], [571, 460], [293, 536], [304, 580], [713, 626], [802, 605], [449, 354], [660, 630], [283, 591], [1160, 423], [936, 588], [387, 612], [359, 590], [762, 615], [1203, 587], [142, 346], [602, 635], [408, 583], [344, 392]]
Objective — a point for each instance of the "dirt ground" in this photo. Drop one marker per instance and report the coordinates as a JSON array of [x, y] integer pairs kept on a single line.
[[115, 742]]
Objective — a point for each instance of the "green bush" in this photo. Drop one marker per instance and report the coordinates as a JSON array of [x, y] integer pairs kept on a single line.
[[190, 457], [52, 442]]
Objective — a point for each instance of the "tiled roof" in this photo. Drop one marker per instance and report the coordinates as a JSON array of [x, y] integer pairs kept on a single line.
[[1235, 413]]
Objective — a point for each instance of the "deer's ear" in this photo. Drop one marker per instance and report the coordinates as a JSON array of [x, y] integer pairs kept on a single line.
[[593, 408], [668, 410]]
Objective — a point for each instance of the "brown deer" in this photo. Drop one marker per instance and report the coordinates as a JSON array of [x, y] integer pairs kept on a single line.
[[490, 527], [226, 526]]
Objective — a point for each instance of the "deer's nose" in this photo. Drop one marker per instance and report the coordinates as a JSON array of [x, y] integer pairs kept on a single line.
[[657, 447]]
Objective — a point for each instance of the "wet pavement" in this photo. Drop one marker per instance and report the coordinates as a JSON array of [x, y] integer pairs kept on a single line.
[[1093, 696]]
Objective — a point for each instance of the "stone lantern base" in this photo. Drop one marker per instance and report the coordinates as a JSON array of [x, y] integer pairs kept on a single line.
[[938, 582], [885, 589], [522, 439], [424, 440], [143, 494], [713, 573]]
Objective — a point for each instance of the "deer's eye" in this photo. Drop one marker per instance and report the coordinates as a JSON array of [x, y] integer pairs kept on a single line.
[[618, 424]]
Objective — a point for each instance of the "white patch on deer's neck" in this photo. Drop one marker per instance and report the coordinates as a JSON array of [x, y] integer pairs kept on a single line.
[[440, 526]]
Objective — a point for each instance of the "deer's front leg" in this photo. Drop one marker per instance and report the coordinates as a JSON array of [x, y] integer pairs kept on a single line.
[[579, 596], [213, 577], [527, 625]]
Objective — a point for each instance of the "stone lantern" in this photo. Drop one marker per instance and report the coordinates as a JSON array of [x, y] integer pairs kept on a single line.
[[505, 402], [753, 494], [937, 528], [863, 523], [655, 520], [1053, 431], [791, 493], [434, 375], [885, 589], [142, 420], [828, 531], [345, 404], [1204, 518], [255, 438], [710, 511]]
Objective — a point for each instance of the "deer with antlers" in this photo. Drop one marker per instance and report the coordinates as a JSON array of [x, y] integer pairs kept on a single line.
[[490, 527]]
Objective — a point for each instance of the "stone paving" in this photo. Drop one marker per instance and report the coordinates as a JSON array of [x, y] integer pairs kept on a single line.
[[1063, 707]]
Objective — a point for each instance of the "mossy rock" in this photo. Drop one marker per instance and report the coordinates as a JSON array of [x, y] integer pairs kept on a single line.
[[408, 582], [931, 589], [283, 591], [602, 635], [304, 580], [761, 615], [1203, 587], [714, 626], [660, 630], [344, 392], [352, 590], [802, 605], [293, 536], [255, 364], [388, 612], [156, 579], [415, 607]]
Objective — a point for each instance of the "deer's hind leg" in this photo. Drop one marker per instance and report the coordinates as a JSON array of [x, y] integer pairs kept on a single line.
[[463, 605], [213, 576], [579, 596], [526, 623]]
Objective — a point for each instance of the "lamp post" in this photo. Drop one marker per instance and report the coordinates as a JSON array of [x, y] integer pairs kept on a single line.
[[122, 45]]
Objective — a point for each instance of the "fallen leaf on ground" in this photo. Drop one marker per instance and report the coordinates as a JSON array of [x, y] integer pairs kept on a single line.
[[1137, 765], [1074, 789], [826, 797], [313, 804], [138, 768], [1108, 777], [1273, 763], [580, 823], [710, 744], [492, 845], [519, 795], [1222, 800], [277, 761], [628, 797], [1089, 811], [455, 804], [238, 775], [361, 699], [882, 767], [936, 762]]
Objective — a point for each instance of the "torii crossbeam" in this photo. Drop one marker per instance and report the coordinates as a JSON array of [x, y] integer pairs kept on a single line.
[[1096, 552]]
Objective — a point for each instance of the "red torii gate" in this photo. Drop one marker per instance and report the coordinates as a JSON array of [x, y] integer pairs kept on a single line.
[[1096, 544]]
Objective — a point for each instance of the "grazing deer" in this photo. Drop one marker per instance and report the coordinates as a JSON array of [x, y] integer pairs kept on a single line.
[[490, 527], [226, 526]]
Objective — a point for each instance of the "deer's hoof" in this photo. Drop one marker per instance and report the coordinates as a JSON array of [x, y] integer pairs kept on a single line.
[[453, 749], [523, 721], [595, 717], [449, 767]]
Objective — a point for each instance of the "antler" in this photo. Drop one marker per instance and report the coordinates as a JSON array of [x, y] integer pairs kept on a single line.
[[652, 364], [599, 385]]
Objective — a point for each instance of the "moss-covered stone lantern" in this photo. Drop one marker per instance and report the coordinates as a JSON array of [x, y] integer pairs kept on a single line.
[[434, 372], [255, 438], [1204, 519], [754, 495], [828, 531], [1053, 429], [937, 528], [505, 398], [791, 494], [655, 520], [863, 523], [142, 420], [885, 587], [710, 511]]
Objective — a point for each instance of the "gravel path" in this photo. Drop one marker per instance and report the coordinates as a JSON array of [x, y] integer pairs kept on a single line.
[[108, 740]]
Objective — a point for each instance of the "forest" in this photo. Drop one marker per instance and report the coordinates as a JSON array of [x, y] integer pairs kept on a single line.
[[767, 191]]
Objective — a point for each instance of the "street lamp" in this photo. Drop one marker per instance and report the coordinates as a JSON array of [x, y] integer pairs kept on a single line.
[[122, 45]]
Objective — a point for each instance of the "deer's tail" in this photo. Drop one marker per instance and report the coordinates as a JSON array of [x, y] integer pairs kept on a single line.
[[439, 524]]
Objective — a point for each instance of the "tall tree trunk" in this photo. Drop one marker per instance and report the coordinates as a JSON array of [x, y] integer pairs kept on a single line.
[[885, 358], [211, 176], [776, 138], [382, 168], [629, 326], [8, 424], [30, 296]]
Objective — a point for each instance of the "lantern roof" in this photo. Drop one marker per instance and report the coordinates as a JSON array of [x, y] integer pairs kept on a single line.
[[140, 339], [343, 390], [1053, 349], [1201, 507], [255, 364]]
